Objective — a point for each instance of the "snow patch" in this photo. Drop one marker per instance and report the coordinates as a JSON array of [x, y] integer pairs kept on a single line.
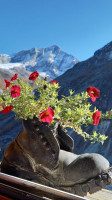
[[10, 65], [75, 61], [55, 70], [51, 57]]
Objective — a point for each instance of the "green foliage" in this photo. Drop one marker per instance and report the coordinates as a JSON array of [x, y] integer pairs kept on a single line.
[[72, 111]]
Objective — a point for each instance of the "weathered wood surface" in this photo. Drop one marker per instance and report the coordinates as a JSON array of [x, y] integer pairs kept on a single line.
[[21, 189], [101, 195]]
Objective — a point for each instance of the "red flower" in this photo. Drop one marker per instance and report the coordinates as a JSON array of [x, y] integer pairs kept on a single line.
[[33, 76], [56, 82], [96, 118], [47, 115], [14, 77], [7, 83], [7, 109], [15, 91], [93, 93]]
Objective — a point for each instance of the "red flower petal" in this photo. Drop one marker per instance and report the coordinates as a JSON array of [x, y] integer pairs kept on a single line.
[[15, 91], [47, 115], [93, 99], [47, 118], [54, 82], [7, 109], [33, 76], [14, 77], [96, 117], [7, 83], [93, 93]]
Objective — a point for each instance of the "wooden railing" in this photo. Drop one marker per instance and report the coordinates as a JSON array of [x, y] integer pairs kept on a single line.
[[20, 189]]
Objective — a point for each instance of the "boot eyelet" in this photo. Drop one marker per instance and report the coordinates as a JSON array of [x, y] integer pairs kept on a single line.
[[44, 141], [33, 121], [40, 135], [36, 128], [53, 153], [47, 146]]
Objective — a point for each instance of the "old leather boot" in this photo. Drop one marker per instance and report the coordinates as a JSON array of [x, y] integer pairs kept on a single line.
[[36, 155]]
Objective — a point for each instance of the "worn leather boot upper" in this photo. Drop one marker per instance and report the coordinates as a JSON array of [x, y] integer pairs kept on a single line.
[[36, 155]]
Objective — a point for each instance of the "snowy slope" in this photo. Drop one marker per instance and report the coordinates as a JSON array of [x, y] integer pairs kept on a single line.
[[51, 61]]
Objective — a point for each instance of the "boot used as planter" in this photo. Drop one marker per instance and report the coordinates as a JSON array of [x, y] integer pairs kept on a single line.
[[44, 155]]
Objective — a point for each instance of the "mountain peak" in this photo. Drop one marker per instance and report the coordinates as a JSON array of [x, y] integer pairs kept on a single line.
[[50, 61], [54, 47]]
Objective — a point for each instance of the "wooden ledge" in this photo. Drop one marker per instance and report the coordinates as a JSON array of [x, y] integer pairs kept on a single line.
[[101, 195], [21, 189]]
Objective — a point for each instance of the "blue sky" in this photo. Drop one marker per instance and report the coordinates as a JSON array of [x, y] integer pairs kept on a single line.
[[78, 27]]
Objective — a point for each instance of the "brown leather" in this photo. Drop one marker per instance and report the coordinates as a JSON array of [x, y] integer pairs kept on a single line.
[[65, 141], [35, 155], [37, 143]]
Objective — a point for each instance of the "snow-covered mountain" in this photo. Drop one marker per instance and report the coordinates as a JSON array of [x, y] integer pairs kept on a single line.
[[51, 62]]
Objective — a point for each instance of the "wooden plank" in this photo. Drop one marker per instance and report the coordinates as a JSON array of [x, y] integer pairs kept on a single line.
[[23, 187], [101, 195], [17, 194]]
